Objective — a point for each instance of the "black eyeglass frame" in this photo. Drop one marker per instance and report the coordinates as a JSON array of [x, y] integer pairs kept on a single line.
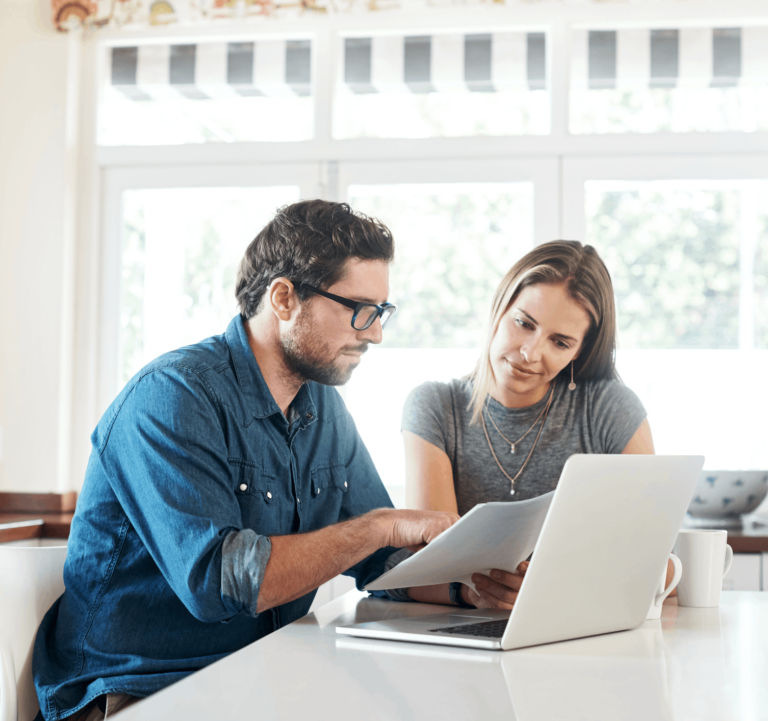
[[357, 306]]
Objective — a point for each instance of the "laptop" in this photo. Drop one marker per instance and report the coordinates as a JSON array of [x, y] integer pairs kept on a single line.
[[606, 538]]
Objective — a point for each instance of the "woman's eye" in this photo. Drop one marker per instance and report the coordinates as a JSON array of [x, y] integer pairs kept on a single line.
[[561, 345], [523, 323]]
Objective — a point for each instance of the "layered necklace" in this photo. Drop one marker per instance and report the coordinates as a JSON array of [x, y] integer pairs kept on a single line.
[[541, 417]]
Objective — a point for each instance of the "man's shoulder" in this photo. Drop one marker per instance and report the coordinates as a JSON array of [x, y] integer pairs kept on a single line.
[[211, 354]]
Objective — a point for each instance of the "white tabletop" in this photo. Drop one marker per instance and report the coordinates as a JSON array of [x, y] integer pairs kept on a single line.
[[695, 664]]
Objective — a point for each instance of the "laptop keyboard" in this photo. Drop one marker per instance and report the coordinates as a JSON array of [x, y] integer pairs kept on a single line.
[[484, 629]]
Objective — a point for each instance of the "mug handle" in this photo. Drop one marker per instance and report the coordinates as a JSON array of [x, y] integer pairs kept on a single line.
[[728, 558], [675, 579]]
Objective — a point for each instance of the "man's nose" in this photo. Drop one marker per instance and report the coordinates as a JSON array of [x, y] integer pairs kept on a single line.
[[373, 333]]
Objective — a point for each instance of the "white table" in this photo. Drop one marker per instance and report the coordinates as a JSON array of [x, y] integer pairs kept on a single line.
[[695, 664]]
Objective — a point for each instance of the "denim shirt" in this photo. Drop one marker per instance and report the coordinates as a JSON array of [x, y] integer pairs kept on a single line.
[[193, 466]]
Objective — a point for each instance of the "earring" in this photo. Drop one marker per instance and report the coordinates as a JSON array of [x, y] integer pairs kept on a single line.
[[571, 385]]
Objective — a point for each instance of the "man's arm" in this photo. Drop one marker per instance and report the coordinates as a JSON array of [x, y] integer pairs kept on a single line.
[[300, 563]]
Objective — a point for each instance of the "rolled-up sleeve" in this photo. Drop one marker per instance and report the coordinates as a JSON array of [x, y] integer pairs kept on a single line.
[[165, 456]]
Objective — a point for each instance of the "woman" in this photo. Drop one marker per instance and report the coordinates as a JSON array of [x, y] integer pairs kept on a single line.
[[545, 387]]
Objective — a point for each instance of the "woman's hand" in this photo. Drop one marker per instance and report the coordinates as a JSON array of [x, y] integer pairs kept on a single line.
[[497, 591]]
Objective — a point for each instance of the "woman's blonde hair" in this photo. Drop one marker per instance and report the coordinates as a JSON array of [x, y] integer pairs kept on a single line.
[[587, 282]]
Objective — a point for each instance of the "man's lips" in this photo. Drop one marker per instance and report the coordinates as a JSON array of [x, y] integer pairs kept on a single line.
[[356, 350]]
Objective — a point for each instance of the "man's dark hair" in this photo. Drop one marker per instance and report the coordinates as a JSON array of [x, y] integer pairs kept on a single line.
[[308, 242]]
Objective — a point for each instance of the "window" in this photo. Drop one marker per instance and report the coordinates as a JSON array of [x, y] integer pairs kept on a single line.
[[208, 92], [473, 138], [442, 85], [181, 250], [668, 79], [454, 242]]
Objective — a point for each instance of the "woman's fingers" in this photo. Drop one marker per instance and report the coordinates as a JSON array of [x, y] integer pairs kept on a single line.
[[498, 594]]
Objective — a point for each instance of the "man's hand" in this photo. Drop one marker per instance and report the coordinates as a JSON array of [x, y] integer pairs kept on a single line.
[[415, 529], [498, 591]]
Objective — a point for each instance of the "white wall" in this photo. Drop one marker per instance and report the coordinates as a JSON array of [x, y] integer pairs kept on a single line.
[[37, 147]]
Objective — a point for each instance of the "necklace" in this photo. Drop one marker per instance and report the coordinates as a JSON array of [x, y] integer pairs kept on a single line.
[[512, 445], [545, 412]]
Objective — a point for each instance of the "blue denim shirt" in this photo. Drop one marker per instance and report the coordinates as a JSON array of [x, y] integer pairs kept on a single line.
[[193, 466]]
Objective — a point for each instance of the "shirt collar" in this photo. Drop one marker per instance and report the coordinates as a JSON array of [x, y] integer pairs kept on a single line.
[[252, 383]]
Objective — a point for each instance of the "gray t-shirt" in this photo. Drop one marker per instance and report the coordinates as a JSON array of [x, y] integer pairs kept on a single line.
[[597, 417]]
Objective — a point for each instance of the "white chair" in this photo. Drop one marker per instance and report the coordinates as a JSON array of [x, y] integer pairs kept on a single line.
[[31, 579]]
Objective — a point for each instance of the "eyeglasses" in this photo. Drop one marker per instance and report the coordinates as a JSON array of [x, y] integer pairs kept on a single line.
[[364, 313]]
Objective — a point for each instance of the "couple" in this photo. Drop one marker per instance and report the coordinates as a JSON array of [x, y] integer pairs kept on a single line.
[[227, 480]]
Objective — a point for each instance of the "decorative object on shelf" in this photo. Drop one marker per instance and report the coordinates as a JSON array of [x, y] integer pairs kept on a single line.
[[138, 14], [722, 498]]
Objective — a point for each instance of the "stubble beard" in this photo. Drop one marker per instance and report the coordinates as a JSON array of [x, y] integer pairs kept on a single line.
[[308, 358]]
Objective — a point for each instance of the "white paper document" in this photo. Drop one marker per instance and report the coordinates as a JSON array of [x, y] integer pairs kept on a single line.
[[491, 535]]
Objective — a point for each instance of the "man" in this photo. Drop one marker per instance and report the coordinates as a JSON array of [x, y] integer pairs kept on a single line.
[[227, 480]]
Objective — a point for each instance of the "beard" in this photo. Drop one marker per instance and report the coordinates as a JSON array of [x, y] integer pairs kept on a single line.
[[307, 357]]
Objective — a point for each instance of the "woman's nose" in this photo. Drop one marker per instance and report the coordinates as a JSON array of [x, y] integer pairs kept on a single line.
[[531, 352]]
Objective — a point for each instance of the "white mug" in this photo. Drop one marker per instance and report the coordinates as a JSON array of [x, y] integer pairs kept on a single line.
[[706, 558], [663, 590]]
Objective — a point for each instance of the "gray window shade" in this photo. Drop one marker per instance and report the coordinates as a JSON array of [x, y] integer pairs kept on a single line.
[[477, 63], [726, 57], [182, 71], [125, 63], [602, 59], [298, 66], [536, 53], [417, 64], [665, 58], [240, 68], [357, 65]]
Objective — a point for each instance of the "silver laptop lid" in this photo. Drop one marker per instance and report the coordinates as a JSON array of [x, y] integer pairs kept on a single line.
[[609, 531]]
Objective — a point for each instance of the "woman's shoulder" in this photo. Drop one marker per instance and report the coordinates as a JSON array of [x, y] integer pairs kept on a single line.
[[440, 393], [609, 390]]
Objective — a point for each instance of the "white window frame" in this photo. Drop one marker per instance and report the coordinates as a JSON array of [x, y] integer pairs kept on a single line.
[[117, 180], [726, 168]]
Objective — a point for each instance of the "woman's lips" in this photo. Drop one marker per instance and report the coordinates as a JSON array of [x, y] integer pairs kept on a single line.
[[520, 371]]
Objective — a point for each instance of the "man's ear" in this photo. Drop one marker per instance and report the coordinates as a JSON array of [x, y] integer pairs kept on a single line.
[[282, 298]]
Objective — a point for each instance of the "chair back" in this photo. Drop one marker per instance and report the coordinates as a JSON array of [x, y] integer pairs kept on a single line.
[[31, 579]]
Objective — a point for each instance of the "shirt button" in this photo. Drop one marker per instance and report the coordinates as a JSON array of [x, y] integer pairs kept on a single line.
[[309, 416], [298, 500], [269, 495], [345, 484], [243, 487], [318, 491]]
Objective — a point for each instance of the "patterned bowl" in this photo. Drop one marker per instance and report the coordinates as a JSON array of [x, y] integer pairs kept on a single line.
[[721, 498]]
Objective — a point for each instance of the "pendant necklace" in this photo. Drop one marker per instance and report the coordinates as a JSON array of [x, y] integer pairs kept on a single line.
[[544, 413], [512, 445]]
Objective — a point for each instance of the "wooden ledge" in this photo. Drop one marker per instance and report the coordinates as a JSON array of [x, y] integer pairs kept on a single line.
[[36, 515]]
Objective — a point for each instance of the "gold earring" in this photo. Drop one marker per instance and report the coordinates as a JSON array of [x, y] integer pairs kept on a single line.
[[571, 385]]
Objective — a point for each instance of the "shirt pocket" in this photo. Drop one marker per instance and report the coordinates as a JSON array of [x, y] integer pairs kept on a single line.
[[260, 498], [250, 480], [329, 480]]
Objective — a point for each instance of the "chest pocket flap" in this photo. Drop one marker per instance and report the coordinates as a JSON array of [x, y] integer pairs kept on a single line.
[[329, 478], [251, 481]]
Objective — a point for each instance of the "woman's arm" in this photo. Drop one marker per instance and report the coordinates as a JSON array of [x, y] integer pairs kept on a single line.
[[428, 476], [641, 442], [429, 486]]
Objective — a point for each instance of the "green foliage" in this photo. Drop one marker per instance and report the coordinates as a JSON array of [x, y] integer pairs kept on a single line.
[[452, 249], [674, 259]]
